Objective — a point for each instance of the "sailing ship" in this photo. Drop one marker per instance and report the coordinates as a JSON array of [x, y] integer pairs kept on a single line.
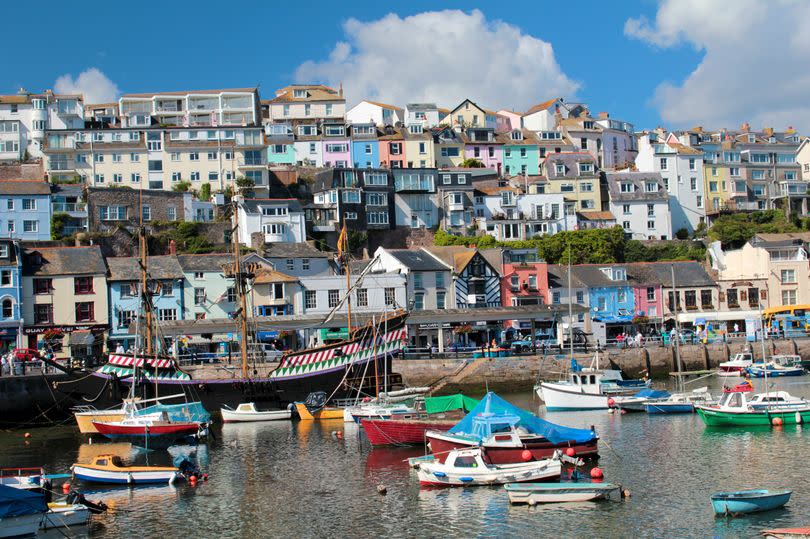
[[361, 364]]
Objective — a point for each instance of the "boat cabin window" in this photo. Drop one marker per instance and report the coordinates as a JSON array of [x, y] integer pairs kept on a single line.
[[503, 438], [593, 378], [117, 461], [101, 462], [772, 399], [735, 399], [465, 462], [575, 379], [503, 427], [244, 407]]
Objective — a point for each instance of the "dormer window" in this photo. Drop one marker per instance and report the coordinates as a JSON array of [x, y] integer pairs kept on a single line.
[[415, 129], [335, 130], [517, 135], [587, 125], [627, 187], [559, 168], [772, 140], [307, 130], [585, 168], [651, 187], [300, 94], [752, 138]]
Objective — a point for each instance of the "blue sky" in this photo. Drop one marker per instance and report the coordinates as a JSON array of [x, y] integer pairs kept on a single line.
[[168, 45]]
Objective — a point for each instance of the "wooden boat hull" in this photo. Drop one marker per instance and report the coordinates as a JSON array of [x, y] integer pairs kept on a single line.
[[533, 494], [85, 419], [748, 502], [401, 431], [92, 474], [323, 414], [235, 416], [713, 417], [540, 448]]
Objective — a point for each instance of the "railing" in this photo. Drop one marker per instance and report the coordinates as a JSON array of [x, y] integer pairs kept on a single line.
[[68, 206], [252, 162], [62, 165]]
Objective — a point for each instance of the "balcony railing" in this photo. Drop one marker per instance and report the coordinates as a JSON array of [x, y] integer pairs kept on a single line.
[[252, 162], [62, 165], [68, 206]]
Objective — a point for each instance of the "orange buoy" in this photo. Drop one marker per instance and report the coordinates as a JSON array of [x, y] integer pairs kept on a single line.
[[27, 435], [596, 473], [192, 480], [526, 455], [340, 434], [570, 452], [65, 488], [777, 421]]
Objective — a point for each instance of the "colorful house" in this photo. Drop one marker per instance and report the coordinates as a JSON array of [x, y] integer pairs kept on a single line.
[[477, 277], [336, 145], [10, 295], [365, 146], [521, 154], [448, 147], [468, 114], [208, 292], [525, 279], [610, 297], [26, 210], [418, 147], [392, 148], [482, 144], [280, 144]]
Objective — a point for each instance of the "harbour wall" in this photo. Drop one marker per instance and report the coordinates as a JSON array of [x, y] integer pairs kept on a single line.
[[522, 372]]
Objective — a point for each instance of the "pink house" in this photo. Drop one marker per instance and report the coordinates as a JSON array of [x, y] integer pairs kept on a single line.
[[481, 143], [508, 120], [337, 152], [647, 294], [392, 150]]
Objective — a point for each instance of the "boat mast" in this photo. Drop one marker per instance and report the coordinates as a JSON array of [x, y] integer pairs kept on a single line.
[[343, 259], [677, 328], [240, 283], [143, 263], [570, 299]]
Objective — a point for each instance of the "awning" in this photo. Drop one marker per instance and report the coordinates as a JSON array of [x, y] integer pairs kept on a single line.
[[81, 338], [717, 316]]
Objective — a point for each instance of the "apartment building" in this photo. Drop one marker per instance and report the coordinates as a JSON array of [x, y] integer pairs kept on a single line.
[[25, 118], [201, 108], [574, 175], [640, 203], [506, 213], [274, 219], [306, 102]]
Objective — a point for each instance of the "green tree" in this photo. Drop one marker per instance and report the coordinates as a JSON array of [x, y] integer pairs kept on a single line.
[[205, 192], [471, 162], [357, 240], [245, 187], [734, 230], [181, 187], [58, 221]]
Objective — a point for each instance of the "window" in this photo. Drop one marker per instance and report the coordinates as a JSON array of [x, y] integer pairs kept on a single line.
[[699, 201], [559, 168], [376, 199], [692, 163], [171, 213], [98, 178], [125, 319], [195, 176], [146, 213], [199, 296], [788, 276], [650, 293], [626, 209], [230, 295], [155, 166], [555, 298], [390, 297], [310, 299], [788, 297], [351, 197], [84, 311], [305, 264], [663, 163], [440, 300], [98, 158], [134, 157], [583, 143], [446, 152], [757, 174], [199, 276], [790, 175], [307, 109], [734, 171], [650, 225], [213, 176], [118, 178], [693, 184], [10, 227], [439, 279], [350, 215], [116, 158], [417, 279], [422, 148], [334, 298], [6, 278], [731, 297], [650, 210], [362, 297], [706, 299], [43, 286], [532, 282], [376, 178], [212, 156], [290, 264], [83, 285], [626, 225], [29, 204], [165, 315], [43, 313], [30, 226], [419, 301], [753, 297]]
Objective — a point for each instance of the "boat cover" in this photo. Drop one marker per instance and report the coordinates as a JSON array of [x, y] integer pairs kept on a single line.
[[436, 405], [15, 502], [653, 394], [495, 412], [190, 411]]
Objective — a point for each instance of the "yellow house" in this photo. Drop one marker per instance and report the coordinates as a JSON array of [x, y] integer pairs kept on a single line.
[[64, 290], [448, 148], [574, 175], [419, 151], [468, 114]]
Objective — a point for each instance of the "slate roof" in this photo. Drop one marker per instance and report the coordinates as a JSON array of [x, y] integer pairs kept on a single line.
[[638, 179], [22, 171], [204, 263], [294, 250], [127, 268], [558, 277], [253, 205], [417, 260], [314, 93], [788, 239], [571, 161], [688, 274], [64, 261], [24, 187], [592, 276]]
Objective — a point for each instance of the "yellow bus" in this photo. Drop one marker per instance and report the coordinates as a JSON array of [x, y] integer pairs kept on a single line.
[[785, 310]]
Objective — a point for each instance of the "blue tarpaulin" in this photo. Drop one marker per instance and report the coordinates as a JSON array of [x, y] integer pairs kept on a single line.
[[493, 414], [190, 411], [652, 394], [15, 502]]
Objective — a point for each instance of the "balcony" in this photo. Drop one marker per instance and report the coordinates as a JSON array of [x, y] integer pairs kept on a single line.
[[62, 166], [252, 163], [68, 110], [69, 207]]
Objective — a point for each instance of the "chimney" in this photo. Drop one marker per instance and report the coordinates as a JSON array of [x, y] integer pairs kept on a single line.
[[604, 115], [172, 247], [340, 91], [746, 127]]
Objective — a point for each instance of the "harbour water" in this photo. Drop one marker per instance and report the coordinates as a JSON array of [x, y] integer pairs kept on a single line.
[[298, 479]]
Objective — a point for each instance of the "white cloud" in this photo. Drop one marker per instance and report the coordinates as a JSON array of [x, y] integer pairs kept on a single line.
[[94, 84], [442, 57], [754, 54]]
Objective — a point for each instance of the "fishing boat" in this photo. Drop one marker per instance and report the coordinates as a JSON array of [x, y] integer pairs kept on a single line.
[[467, 467], [435, 413], [736, 365], [774, 369], [385, 405], [680, 403], [748, 501], [247, 412], [111, 469], [587, 388], [737, 409], [787, 533], [21, 511], [534, 493], [509, 434], [149, 432], [637, 401]]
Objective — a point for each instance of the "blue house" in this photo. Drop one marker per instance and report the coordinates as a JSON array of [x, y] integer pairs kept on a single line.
[[165, 283], [25, 210], [10, 294], [610, 296], [365, 146]]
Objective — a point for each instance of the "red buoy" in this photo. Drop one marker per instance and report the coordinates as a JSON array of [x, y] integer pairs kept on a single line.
[[570, 452], [777, 421], [340, 434], [526, 455], [611, 402], [65, 488], [27, 435], [192, 480], [596, 473], [205, 477]]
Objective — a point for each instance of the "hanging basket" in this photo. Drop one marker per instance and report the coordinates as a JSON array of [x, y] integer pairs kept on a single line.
[[466, 328]]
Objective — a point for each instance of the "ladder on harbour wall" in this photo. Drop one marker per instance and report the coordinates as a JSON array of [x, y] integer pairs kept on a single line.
[[463, 371]]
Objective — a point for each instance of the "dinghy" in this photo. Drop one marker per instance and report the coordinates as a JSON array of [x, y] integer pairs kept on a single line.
[[534, 493], [247, 412], [21, 511], [748, 501], [149, 432], [737, 365], [111, 469], [466, 467]]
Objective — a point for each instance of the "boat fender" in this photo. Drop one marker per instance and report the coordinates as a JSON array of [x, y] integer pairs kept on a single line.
[[596, 473], [65, 487], [526, 455], [798, 418], [777, 421], [439, 474], [129, 478], [626, 493], [465, 479]]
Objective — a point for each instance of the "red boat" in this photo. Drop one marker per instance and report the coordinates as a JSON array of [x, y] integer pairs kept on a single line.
[[150, 434], [402, 431], [507, 447]]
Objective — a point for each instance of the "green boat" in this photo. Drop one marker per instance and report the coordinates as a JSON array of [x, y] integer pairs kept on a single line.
[[738, 409]]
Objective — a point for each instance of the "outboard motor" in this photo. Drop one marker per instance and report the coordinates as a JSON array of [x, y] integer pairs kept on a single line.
[[315, 401]]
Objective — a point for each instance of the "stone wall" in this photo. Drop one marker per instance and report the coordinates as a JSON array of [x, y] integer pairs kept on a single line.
[[157, 201]]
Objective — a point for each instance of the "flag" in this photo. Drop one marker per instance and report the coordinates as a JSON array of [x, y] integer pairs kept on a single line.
[[342, 242]]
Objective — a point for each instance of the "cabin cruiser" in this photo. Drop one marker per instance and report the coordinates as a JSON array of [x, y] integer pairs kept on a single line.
[[736, 365]]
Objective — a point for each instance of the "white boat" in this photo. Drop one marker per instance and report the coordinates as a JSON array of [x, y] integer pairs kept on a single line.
[[247, 411], [21, 511], [110, 469], [65, 515], [778, 399], [588, 388], [736, 365], [355, 414], [466, 467], [680, 403], [534, 493]]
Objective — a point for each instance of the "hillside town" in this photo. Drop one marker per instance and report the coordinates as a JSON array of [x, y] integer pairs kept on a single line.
[[288, 172]]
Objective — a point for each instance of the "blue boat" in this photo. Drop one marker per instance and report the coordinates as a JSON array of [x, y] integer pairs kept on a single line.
[[758, 370], [748, 501]]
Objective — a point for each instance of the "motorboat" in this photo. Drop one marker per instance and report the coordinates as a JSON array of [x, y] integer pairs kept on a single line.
[[508, 434], [65, 515], [534, 493], [111, 469], [21, 511], [738, 408], [774, 369], [748, 501], [637, 401], [467, 467], [588, 388], [736, 365], [358, 412], [148, 432], [435, 413], [247, 412], [680, 403], [146, 408]]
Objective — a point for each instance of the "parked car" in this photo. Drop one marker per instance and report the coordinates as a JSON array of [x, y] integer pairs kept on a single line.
[[542, 341], [26, 354]]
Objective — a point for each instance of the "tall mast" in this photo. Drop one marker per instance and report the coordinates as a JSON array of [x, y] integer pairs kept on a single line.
[[143, 263], [240, 283], [677, 328], [343, 258]]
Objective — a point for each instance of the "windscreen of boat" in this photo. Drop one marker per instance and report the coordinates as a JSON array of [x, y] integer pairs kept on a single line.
[[493, 410]]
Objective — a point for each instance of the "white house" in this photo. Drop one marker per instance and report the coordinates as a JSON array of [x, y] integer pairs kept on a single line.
[[681, 169], [505, 213], [803, 158], [280, 220], [429, 280], [375, 292], [542, 117], [308, 148], [379, 114], [426, 114], [24, 118], [640, 203]]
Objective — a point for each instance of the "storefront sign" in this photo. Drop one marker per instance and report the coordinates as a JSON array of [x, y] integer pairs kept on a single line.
[[38, 330], [434, 325], [334, 334]]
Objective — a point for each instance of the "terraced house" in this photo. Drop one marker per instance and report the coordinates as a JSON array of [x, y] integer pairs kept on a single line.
[[306, 102], [25, 210], [25, 118], [574, 175], [11, 320]]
